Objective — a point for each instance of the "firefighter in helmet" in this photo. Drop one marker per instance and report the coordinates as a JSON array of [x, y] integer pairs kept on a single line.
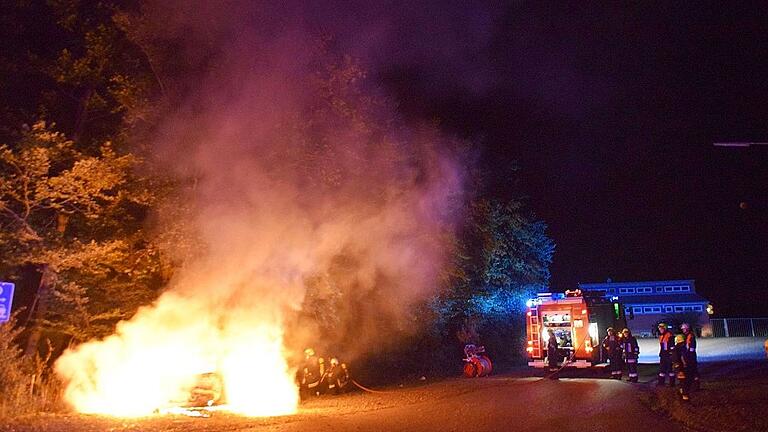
[[612, 350], [666, 345], [631, 351], [690, 347], [681, 362], [552, 353], [337, 376], [311, 374]]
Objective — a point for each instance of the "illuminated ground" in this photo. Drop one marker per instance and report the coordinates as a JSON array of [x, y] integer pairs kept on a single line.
[[500, 403], [509, 402]]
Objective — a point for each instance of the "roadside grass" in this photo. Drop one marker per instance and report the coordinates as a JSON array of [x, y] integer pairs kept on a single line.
[[733, 397]]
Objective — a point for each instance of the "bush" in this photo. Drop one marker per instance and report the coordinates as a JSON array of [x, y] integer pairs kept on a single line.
[[28, 386]]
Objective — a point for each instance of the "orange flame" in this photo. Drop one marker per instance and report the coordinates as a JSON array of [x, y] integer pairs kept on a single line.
[[154, 360]]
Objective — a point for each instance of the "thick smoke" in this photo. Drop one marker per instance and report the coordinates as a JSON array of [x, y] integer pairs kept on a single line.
[[311, 193]]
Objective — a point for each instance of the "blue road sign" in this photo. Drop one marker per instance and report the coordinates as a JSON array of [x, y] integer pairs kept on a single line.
[[6, 300]]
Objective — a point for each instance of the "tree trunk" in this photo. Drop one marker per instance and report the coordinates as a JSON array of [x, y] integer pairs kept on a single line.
[[40, 309], [82, 114]]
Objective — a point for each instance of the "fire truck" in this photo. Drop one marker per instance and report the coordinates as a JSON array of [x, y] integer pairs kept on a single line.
[[579, 321]]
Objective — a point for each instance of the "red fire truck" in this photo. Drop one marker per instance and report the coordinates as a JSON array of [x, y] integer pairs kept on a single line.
[[579, 321]]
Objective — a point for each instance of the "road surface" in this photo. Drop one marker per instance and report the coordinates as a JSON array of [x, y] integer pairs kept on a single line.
[[500, 403]]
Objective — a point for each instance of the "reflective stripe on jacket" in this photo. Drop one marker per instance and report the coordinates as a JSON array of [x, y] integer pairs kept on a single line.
[[630, 347], [690, 342], [665, 343]]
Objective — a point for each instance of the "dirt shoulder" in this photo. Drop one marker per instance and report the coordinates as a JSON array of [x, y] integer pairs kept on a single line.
[[733, 397]]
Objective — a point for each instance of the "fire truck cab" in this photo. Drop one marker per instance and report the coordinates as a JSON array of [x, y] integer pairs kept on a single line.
[[579, 321]]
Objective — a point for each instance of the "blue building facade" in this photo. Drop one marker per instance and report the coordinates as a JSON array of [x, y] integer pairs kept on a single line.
[[649, 302]]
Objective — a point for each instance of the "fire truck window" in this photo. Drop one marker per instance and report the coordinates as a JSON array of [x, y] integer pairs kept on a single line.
[[557, 319]]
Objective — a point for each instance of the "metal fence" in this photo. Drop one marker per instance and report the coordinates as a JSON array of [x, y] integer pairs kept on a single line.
[[740, 327]]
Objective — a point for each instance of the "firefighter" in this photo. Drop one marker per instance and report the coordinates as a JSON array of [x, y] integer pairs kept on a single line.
[[311, 374], [666, 344], [690, 346], [631, 351], [552, 355], [612, 349], [681, 361], [337, 376]]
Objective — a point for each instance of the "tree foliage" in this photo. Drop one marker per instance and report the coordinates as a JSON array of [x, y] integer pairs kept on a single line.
[[500, 259], [72, 205], [76, 217], [72, 64]]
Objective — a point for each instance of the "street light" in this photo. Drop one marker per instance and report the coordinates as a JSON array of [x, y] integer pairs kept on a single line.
[[738, 144]]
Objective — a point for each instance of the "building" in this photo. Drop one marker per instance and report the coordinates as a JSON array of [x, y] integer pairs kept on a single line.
[[648, 303]]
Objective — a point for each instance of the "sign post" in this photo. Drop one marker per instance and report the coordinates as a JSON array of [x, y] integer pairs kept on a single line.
[[6, 300]]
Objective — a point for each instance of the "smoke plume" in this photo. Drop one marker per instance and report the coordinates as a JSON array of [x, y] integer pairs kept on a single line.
[[309, 209]]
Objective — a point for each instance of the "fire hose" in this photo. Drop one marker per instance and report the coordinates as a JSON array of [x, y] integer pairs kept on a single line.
[[364, 388]]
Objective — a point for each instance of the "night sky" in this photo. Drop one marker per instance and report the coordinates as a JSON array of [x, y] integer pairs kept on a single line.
[[609, 112], [611, 115]]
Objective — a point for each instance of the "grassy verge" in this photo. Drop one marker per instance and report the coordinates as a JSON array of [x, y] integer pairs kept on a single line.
[[733, 397]]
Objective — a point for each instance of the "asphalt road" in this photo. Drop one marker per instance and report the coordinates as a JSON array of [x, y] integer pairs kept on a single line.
[[500, 403], [505, 404]]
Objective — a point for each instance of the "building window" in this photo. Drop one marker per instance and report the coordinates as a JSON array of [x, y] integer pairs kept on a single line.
[[652, 309], [637, 310], [659, 289], [698, 308], [679, 309], [677, 288], [668, 308], [611, 290], [626, 290]]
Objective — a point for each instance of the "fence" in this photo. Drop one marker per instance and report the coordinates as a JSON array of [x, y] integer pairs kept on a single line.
[[740, 327]]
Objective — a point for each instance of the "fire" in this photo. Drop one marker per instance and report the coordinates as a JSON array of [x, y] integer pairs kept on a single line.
[[154, 360]]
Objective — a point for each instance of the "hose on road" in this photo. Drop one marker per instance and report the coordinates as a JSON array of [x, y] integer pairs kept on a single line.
[[364, 388]]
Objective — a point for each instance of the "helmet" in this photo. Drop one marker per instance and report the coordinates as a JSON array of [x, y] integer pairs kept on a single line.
[[685, 327], [662, 326], [334, 361], [609, 330], [309, 352], [679, 339], [626, 331]]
